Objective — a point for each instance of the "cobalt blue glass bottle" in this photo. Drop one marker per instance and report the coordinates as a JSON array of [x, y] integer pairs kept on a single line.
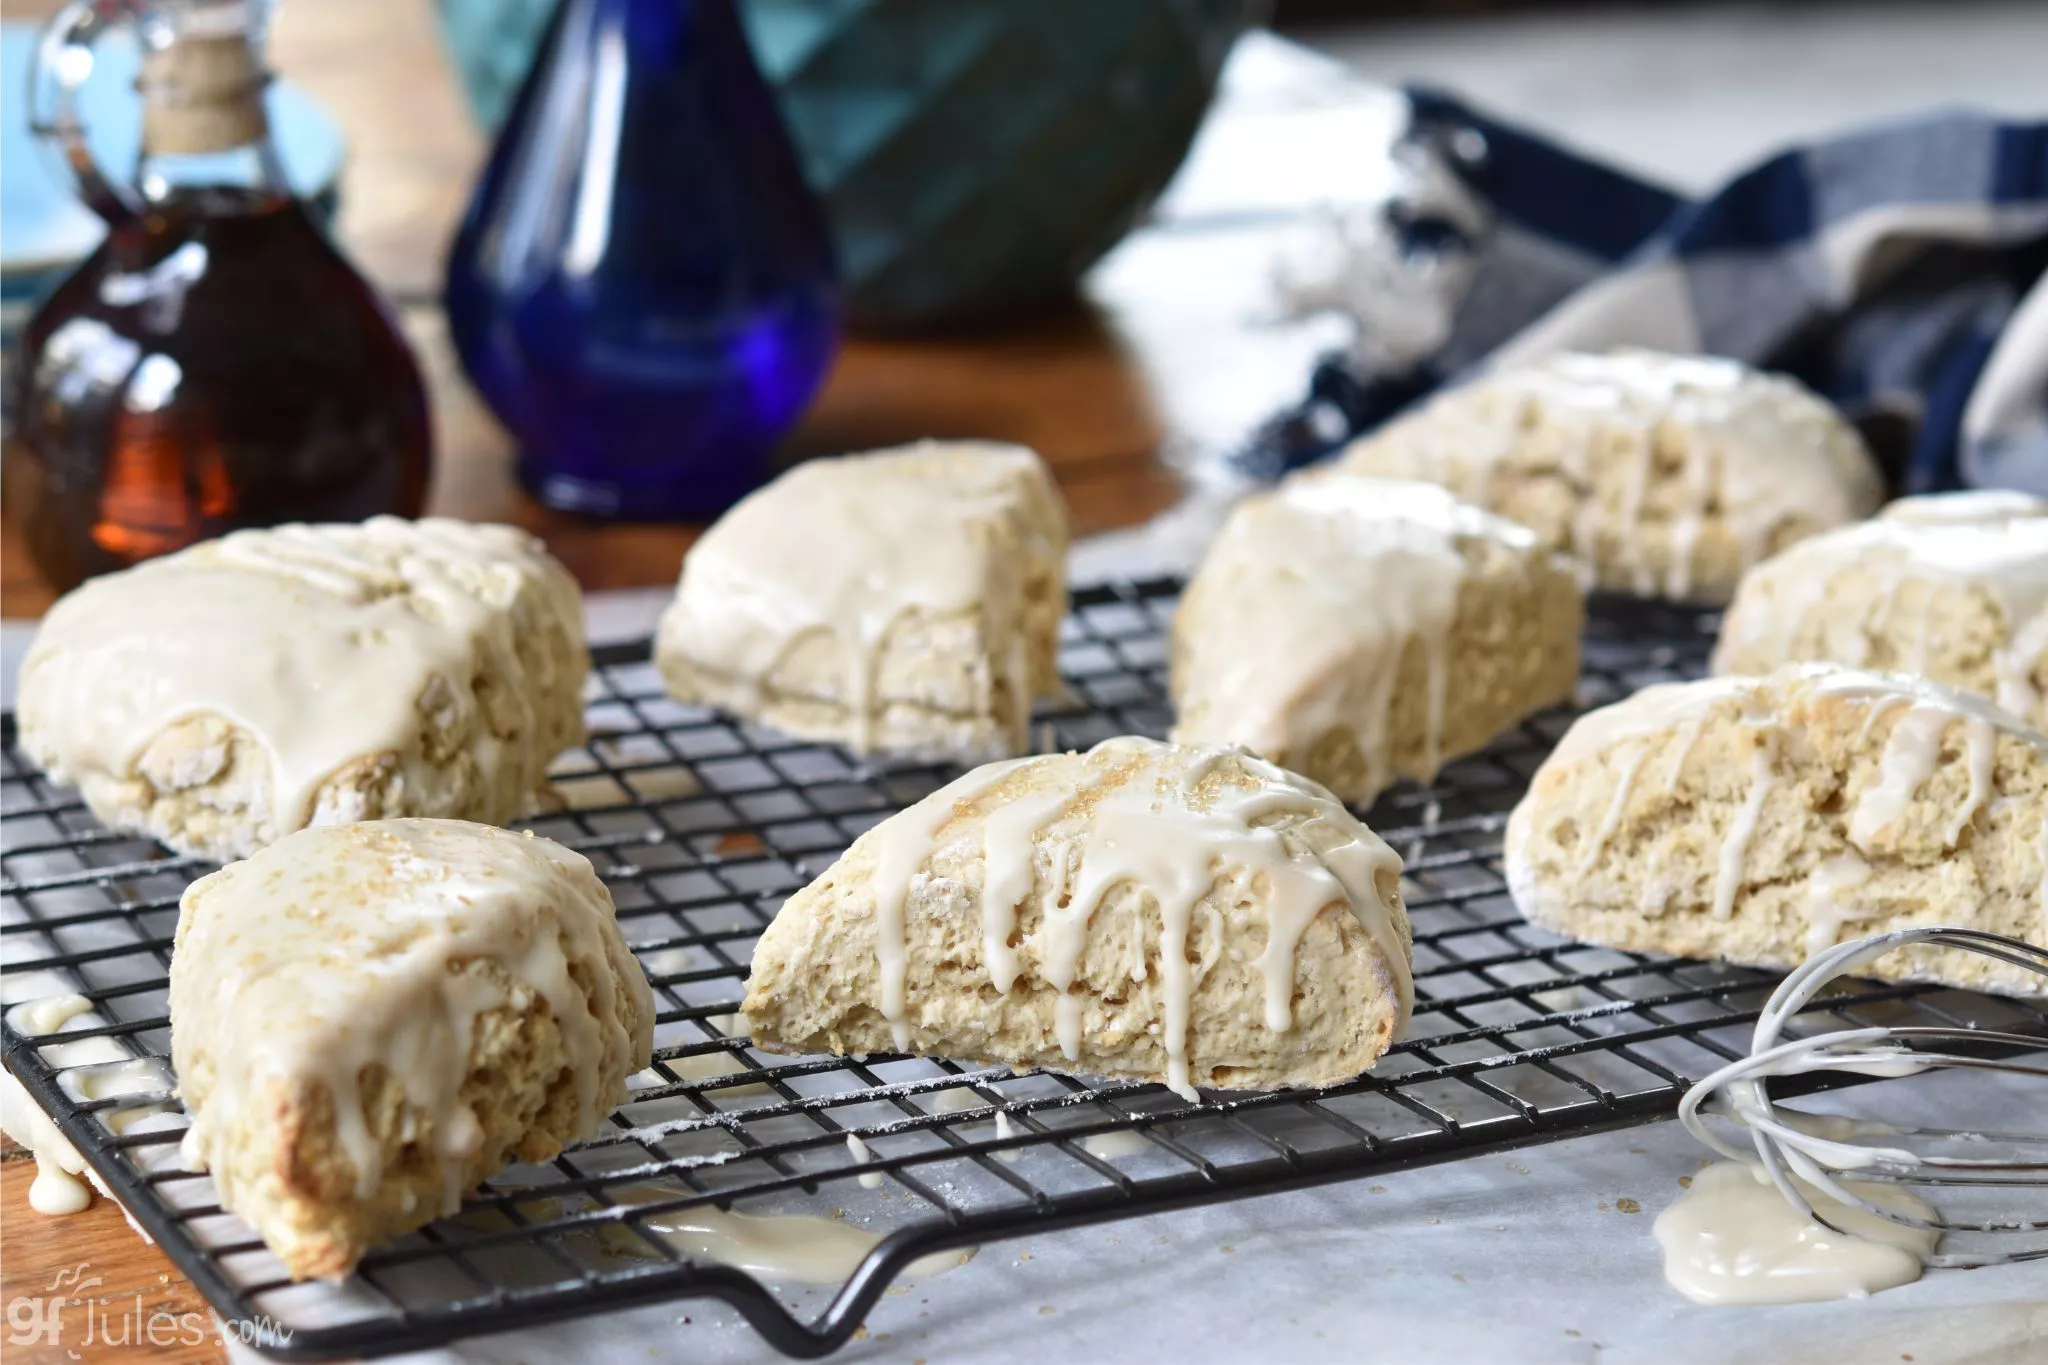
[[643, 288]]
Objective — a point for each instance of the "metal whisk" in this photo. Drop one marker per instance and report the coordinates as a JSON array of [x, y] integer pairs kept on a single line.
[[2018, 1161]]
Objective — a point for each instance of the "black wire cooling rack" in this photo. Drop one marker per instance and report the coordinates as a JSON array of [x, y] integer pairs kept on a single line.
[[701, 827]]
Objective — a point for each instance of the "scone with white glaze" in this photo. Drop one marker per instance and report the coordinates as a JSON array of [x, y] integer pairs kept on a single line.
[[367, 1020], [1942, 592], [904, 601], [1189, 915], [1666, 475], [1762, 820], [224, 696], [1966, 507], [1357, 630]]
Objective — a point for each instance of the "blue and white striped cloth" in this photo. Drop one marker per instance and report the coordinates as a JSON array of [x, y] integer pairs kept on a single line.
[[1899, 271]]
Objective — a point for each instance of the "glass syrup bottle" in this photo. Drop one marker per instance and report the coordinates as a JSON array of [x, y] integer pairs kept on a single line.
[[215, 363]]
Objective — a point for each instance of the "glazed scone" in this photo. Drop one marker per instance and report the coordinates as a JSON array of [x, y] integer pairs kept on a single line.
[[1356, 630], [1762, 820], [367, 1020], [1966, 507], [904, 601], [1961, 601], [1666, 475], [224, 696], [1188, 915]]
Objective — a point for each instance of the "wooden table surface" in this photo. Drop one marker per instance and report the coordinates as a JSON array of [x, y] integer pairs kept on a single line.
[[1162, 353]]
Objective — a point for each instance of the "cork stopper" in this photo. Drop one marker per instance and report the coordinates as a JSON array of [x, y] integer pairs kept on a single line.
[[202, 93]]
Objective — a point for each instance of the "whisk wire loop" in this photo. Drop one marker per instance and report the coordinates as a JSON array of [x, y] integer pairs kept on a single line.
[[1790, 1152]]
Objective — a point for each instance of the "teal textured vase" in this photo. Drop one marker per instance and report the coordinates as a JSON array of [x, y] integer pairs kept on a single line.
[[974, 156]]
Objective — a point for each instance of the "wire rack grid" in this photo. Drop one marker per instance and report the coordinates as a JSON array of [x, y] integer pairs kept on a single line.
[[701, 827]]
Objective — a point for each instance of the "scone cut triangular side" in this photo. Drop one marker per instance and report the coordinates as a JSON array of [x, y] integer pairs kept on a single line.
[[1762, 820], [904, 601], [1667, 475], [1358, 630], [223, 696], [1924, 589], [1191, 915], [369, 1019]]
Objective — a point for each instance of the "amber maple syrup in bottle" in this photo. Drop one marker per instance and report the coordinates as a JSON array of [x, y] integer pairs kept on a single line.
[[215, 363]]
